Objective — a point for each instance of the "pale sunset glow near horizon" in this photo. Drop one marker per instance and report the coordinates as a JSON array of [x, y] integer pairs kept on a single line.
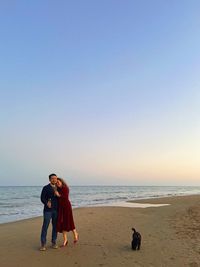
[[100, 92]]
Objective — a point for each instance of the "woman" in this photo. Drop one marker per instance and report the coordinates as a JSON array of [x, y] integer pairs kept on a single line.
[[65, 221]]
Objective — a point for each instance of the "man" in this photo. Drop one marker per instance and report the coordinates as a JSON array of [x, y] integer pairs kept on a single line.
[[50, 202]]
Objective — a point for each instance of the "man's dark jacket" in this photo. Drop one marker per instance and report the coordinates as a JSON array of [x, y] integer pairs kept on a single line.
[[48, 194]]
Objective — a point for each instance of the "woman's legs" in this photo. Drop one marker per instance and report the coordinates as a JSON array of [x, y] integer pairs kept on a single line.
[[64, 238], [75, 235]]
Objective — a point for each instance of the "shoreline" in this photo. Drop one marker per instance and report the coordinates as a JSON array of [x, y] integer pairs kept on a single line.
[[121, 204], [137, 203]]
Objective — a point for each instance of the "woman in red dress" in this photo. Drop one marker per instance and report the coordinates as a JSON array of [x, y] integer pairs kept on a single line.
[[65, 222]]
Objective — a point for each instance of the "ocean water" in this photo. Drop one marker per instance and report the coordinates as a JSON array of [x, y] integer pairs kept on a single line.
[[22, 202]]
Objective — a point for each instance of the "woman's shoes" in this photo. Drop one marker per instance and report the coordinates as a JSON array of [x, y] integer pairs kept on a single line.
[[76, 239], [64, 244]]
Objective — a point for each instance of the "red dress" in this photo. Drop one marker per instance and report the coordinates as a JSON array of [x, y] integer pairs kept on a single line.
[[65, 220]]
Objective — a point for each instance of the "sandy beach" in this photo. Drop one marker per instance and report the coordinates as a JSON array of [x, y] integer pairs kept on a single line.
[[170, 237]]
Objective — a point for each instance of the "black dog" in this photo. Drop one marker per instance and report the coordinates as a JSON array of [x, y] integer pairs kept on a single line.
[[136, 242]]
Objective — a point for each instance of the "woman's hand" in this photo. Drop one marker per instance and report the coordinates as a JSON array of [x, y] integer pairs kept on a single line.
[[56, 193]]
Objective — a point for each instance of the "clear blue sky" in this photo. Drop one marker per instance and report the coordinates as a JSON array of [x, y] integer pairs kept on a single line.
[[100, 92]]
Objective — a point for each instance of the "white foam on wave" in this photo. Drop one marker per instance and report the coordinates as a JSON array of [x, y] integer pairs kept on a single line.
[[133, 205]]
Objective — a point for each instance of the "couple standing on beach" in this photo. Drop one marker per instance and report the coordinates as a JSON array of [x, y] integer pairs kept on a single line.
[[58, 210]]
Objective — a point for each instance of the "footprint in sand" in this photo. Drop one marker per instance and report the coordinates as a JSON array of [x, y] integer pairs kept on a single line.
[[194, 264]]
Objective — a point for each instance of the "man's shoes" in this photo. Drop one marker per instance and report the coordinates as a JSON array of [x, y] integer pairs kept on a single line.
[[54, 246], [42, 248]]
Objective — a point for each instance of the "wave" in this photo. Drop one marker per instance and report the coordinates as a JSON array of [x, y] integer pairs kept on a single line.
[[9, 213], [110, 198]]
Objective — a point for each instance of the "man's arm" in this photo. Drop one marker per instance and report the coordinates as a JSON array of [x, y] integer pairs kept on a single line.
[[43, 197]]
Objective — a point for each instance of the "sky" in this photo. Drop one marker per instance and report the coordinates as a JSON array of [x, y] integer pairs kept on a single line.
[[100, 92]]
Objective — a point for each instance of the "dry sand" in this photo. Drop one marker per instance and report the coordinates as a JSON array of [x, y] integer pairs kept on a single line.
[[170, 237]]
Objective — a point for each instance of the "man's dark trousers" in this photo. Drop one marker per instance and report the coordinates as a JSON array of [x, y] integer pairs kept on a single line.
[[47, 217]]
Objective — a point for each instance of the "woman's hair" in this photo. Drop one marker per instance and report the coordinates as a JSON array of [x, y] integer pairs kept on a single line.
[[62, 181]]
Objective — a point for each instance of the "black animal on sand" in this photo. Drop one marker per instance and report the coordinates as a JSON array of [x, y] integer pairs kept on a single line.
[[136, 240]]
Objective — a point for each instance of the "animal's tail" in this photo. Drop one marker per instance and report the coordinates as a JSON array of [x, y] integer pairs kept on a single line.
[[134, 230]]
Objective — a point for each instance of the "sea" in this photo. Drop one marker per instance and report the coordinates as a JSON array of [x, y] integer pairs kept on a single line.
[[22, 202]]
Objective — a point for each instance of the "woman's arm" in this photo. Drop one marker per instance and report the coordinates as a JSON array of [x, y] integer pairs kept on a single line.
[[63, 193]]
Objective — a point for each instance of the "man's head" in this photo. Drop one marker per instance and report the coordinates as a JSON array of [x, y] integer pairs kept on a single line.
[[53, 178]]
